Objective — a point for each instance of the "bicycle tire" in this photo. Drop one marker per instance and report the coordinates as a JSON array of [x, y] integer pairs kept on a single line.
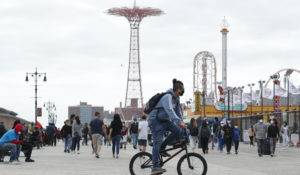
[[179, 171], [133, 159]]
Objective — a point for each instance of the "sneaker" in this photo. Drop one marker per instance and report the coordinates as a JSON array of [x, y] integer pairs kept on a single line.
[[113, 156], [236, 152], [164, 154], [260, 155], [78, 152], [97, 156], [158, 171], [117, 156], [15, 162], [29, 160]]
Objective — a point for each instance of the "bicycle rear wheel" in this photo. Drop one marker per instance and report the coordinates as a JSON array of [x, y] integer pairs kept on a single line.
[[198, 165], [141, 163]]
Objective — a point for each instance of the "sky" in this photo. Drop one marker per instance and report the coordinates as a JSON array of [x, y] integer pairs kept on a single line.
[[84, 51]]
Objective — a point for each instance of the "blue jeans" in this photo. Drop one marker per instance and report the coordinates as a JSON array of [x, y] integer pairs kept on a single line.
[[116, 144], [14, 150], [134, 139], [213, 141], [158, 129], [68, 142], [77, 142], [220, 143]]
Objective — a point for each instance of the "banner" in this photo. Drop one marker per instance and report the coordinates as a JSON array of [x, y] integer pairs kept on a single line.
[[293, 89], [279, 91], [267, 93]]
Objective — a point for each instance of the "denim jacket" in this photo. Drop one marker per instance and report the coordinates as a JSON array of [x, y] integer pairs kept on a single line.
[[167, 109]]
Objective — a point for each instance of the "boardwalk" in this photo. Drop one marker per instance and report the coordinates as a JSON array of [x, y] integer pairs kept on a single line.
[[53, 161]]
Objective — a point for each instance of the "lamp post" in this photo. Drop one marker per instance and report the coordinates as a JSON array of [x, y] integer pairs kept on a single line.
[[251, 85], [232, 109], [50, 107], [203, 95], [287, 77], [36, 76], [261, 83], [228, 97], [241, 93], [275, 78]]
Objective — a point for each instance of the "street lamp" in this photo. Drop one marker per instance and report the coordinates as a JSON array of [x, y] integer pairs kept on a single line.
[[241, 89], [261, 84], [287, 77], [203, 95], [228, 104], [50, 107], [251, 85], [275, 78], [36, 76]]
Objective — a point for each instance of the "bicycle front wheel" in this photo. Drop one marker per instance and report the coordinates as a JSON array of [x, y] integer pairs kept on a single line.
[[197, 165], [141, 163]]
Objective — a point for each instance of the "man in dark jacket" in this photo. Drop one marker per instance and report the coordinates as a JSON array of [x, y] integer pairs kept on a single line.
[[228, 135], [273, 134], [215, 127]]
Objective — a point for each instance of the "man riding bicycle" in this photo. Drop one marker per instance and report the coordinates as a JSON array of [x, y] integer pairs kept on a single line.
[[166, 116]]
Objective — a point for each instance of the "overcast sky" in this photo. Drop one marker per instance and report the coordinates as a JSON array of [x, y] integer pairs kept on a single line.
[[81, 48]]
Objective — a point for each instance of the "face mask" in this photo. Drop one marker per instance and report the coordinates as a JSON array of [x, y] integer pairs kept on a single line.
[[229, 122], [206, 122], [181, 93], [222, 124], [19, 132], [236, 126], [272, 122], [260, 121]]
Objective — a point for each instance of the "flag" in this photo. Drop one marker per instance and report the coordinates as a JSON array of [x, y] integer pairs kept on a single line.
[[279, 91], [293, 89], [267, 93]]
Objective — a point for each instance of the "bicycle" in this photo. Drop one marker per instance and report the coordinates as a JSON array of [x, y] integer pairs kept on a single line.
[[141, 163]]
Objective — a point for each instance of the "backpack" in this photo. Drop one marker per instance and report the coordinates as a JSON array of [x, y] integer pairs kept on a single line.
[[150, 105], [205, 132], [194, 131], [134, 127]]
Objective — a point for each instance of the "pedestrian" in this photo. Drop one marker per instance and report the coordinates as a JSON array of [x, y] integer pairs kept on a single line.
[[273, 134], [205, 133], [236, 137], [10, 141], [124, 134], [134, 132], [143, 134], [73, 139], [85, 132], [214, 129], [67, 135], [228, 135], [115, 134], [77, 133], [194, 133], [220, 136], [251, 135], [97, 129], [260, 130], [285, 134]]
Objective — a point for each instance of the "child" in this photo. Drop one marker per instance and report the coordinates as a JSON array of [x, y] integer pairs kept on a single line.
[[236, 138]]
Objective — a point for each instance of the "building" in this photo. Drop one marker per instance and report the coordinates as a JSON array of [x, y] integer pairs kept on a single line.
[[85, 111], [7, 118], [129, 112]]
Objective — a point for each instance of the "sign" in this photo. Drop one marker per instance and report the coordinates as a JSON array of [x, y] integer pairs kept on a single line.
[[295, 139], [246, 136], [236, 107], [39, 112], [197, 102]]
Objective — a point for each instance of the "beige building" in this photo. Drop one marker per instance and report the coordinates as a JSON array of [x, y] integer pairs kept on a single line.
[[9, 117]]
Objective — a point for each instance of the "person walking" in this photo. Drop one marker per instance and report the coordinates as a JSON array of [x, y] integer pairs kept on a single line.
[[194, 133], [236, 137], [251, 135], [73, 139], [273, 134], [220, 136], [134, 132], [260, 130], [66, 131], [285, 134], [115, 134], [205, 133], [77, 133], [214, 129], [228, 135], [85, 132], [124, 135], [143, 134], [97, 129]]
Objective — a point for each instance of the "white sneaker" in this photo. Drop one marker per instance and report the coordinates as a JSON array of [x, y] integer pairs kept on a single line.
[[78, 152], [15, 162]]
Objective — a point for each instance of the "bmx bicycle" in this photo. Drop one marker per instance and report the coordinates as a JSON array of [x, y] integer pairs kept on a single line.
[[188, 164]]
